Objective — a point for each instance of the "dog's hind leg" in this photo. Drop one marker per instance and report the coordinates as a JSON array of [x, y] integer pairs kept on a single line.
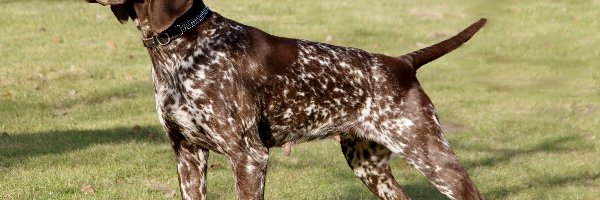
[[433, 157], [417, 136], [371, 163]]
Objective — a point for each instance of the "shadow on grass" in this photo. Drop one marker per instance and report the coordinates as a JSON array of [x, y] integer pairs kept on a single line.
[[414, 190], [17, 147], [563, 144], [584, 179], [503, 155], [423, 190], [342, 176], [10, 1]]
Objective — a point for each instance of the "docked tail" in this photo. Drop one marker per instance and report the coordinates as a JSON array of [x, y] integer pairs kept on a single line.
[[428, 54]]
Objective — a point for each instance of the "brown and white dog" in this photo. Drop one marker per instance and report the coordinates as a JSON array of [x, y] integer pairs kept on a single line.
[[236, 90]]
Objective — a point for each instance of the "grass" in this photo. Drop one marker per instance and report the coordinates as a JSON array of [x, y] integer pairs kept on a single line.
[[521, 100]]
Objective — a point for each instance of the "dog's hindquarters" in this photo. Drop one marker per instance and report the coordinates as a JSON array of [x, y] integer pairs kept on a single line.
[[367, 96], [416, 135]]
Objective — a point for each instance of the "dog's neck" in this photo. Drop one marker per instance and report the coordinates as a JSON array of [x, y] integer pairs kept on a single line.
[[205, 42], [188, 21]]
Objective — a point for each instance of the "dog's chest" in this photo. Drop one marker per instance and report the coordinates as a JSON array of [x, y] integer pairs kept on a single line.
[[194, 97], [180, 117]]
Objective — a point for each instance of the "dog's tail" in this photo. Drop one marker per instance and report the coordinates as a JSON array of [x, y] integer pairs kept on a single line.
[[428, 54]]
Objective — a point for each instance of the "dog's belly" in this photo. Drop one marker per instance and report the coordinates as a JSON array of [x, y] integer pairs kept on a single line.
[[301, 112], [317, 119]]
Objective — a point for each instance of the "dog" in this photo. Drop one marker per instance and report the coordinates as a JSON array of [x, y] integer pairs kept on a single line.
[[235, 90]]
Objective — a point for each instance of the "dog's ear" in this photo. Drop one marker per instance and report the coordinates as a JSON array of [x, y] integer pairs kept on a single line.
[[162, 13], [116, 6], [120, 11]]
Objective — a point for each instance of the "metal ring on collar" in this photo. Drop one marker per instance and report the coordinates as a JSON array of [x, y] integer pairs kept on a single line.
[[163, 39]]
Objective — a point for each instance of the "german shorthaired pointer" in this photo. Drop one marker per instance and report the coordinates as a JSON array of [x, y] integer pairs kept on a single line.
[[236, 90]]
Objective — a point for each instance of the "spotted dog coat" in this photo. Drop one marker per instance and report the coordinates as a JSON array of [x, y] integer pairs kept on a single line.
[[235, 90]]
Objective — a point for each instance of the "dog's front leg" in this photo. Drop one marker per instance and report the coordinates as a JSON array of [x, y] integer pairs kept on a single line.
[[191, 168], [249, 164]]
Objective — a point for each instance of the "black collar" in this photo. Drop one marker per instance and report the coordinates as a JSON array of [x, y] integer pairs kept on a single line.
[[181, 25]]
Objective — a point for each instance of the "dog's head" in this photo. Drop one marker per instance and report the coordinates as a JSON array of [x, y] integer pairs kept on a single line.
[[154, 15]]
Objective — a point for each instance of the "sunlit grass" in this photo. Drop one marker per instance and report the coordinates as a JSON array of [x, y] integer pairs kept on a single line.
[[521, 100]]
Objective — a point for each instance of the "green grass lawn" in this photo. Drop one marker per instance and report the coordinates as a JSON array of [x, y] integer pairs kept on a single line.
[[520, 102]]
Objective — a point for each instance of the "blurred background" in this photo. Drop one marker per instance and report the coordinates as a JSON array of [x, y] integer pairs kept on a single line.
[[519, 102]]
